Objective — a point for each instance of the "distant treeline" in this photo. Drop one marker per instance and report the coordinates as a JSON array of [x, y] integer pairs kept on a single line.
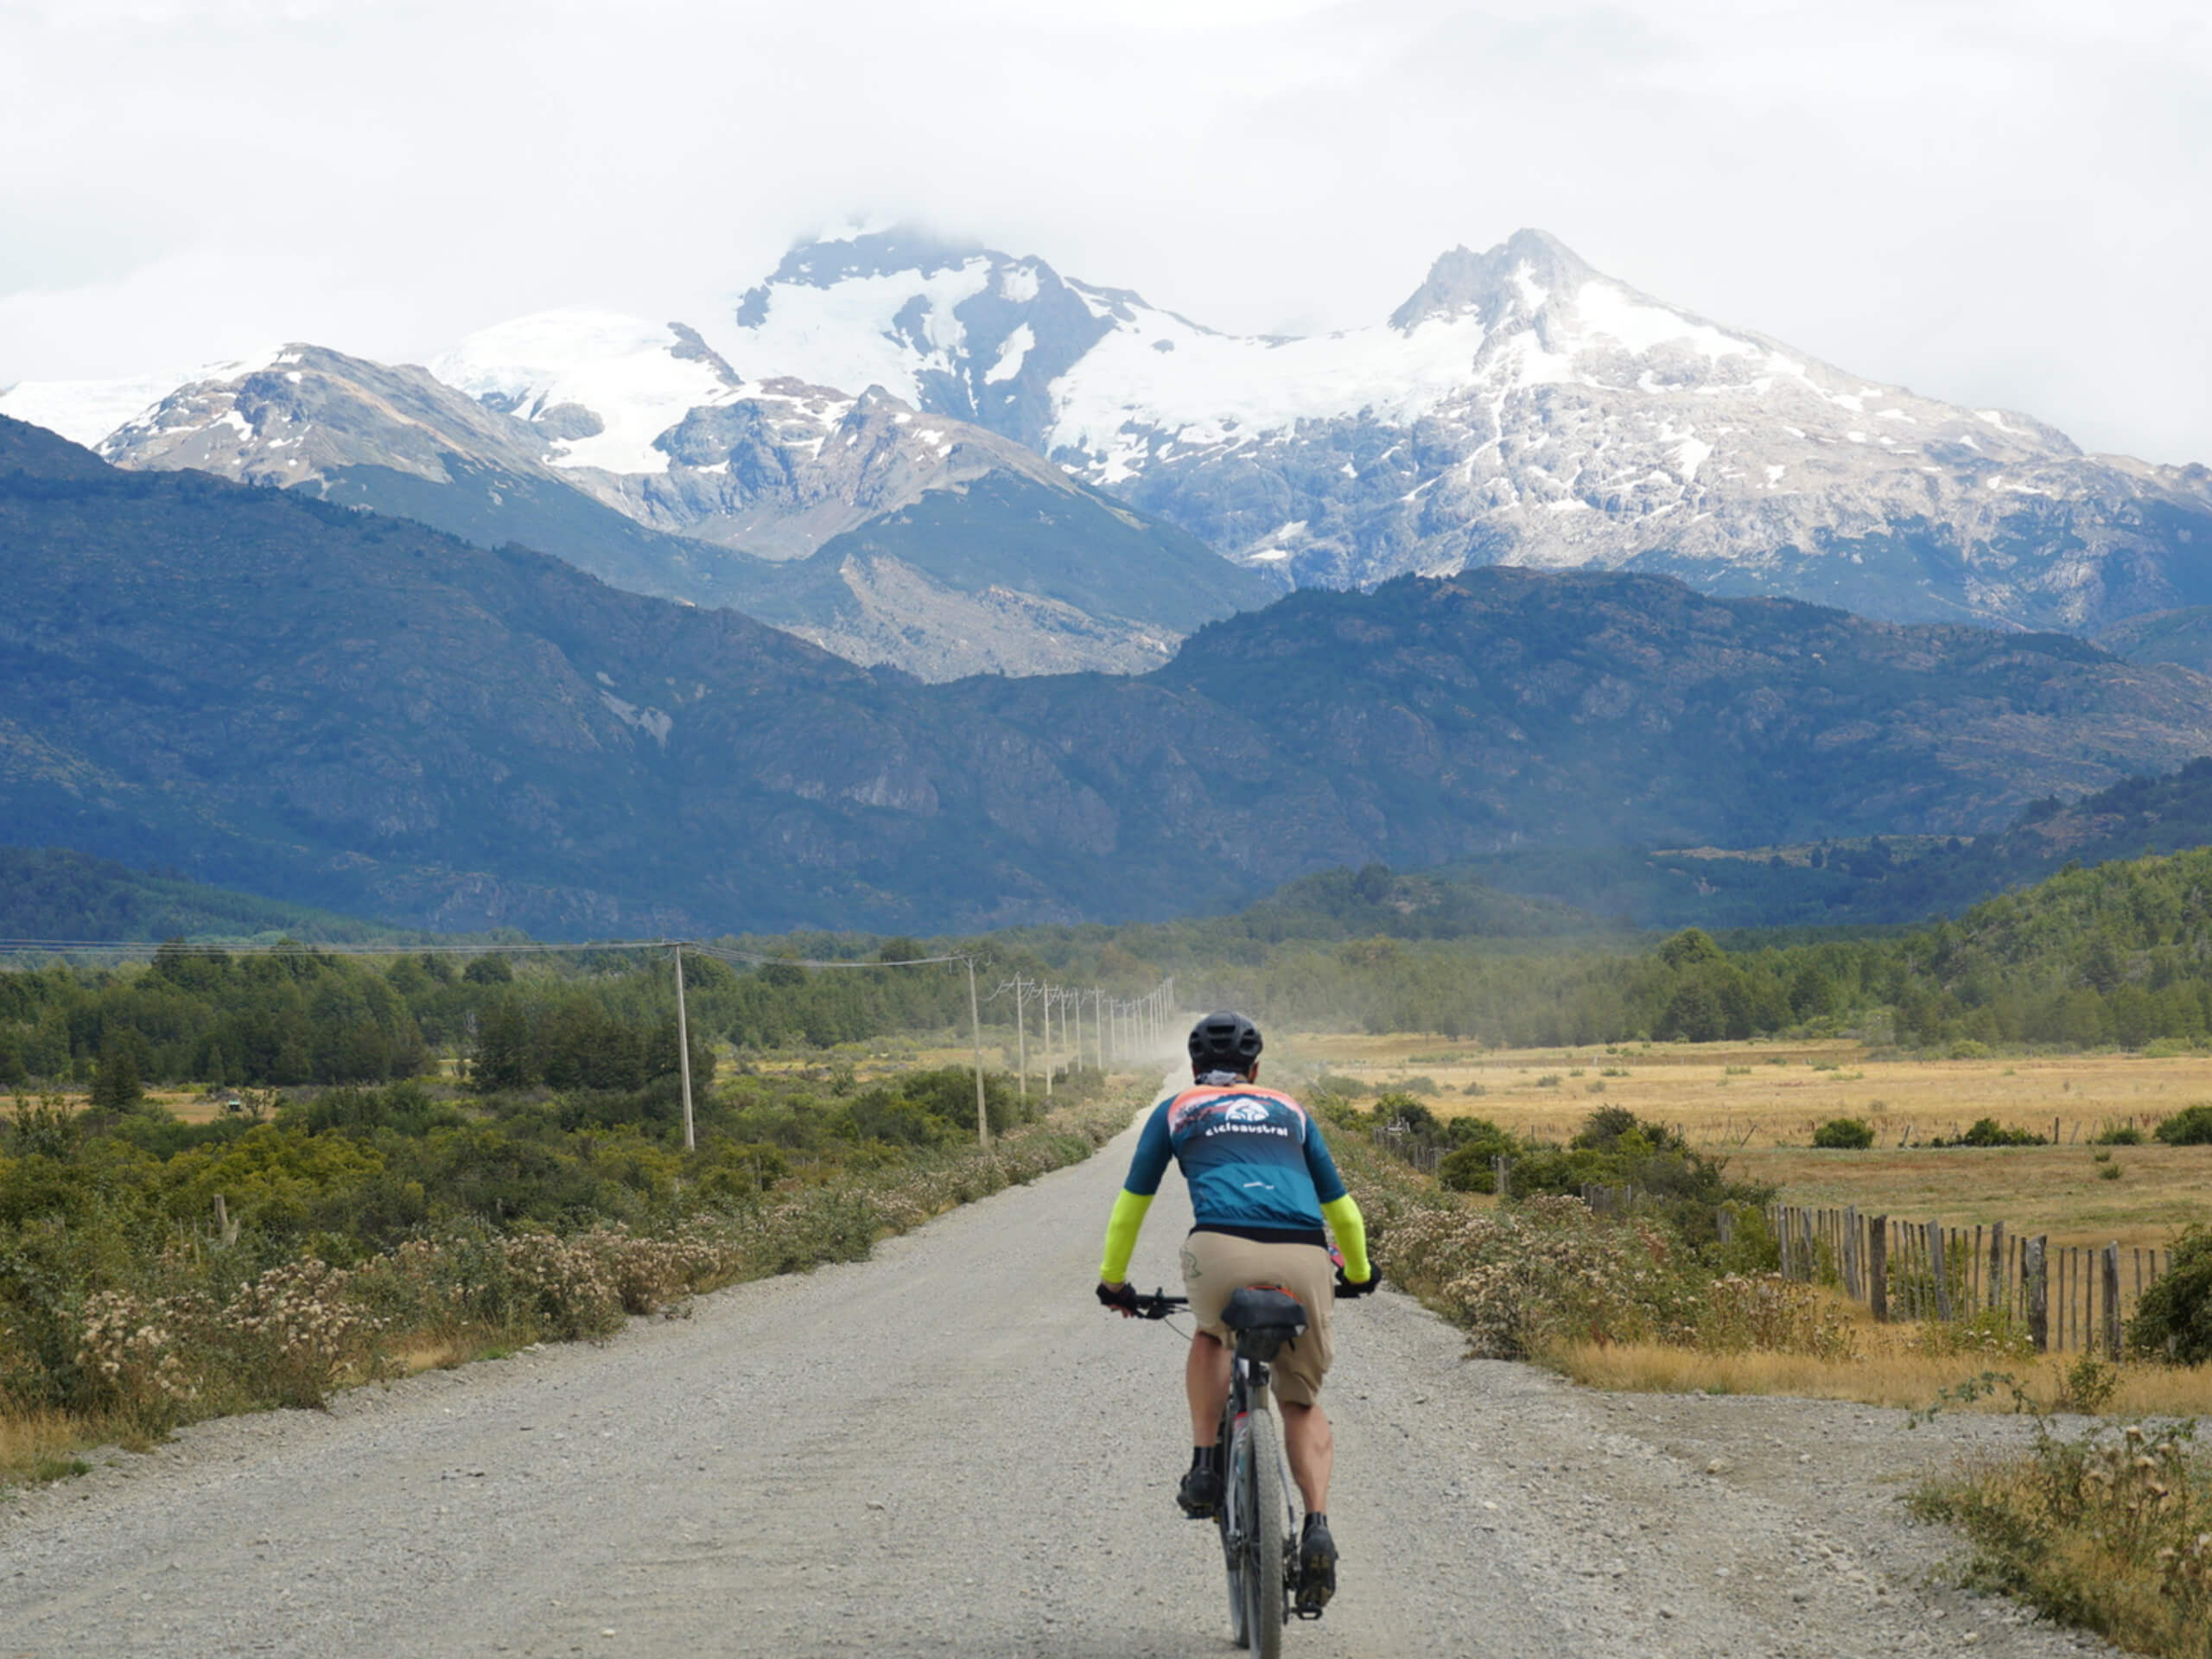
[[582, 1020], [2121, 953]]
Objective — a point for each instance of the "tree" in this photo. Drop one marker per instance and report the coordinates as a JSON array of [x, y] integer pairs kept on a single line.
[[117, 1086], [1689, 948]]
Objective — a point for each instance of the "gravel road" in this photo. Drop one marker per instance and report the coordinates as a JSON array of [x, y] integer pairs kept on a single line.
[[951, 1449]]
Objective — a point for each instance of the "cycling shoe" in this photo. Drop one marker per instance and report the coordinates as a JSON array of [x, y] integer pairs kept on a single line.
[[1317, 1565], [1199, 1495]]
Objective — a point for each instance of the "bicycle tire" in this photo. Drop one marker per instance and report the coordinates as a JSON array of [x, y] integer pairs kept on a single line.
[[1236, 1457], [1267, 1544]]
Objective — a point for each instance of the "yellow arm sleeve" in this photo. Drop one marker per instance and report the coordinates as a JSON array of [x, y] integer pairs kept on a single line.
[[1350, 1229], [1121, 1234]]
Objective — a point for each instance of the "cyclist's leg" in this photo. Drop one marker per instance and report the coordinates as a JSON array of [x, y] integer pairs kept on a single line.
[[1313, 1449], [1205, 1383]]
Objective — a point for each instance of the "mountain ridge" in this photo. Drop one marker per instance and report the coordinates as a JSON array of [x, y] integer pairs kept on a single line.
[[359, 713], [780, 469], [1519, 407]]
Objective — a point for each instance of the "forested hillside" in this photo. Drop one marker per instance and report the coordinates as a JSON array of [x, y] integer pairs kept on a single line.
[[337, 709], [52, 892], [1883, 879]]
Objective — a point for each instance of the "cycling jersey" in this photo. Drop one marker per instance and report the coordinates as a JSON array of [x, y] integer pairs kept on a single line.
[[1252, 1156], [1257, 1167]]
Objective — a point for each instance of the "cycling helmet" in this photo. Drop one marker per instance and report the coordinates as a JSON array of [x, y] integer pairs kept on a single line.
[[1224, 1042]]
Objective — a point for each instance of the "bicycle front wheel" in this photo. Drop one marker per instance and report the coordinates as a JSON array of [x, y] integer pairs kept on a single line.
[[1266, 1530]]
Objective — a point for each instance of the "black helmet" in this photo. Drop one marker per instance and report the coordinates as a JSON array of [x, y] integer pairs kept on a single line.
[[1224, 1042]]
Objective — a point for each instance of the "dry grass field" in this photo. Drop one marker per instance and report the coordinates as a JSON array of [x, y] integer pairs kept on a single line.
[[1759, 1102], [1889, 1371]]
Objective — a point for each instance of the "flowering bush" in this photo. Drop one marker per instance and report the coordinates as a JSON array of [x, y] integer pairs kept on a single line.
[[132, 1359], [1547, 1270], [297, 1329]]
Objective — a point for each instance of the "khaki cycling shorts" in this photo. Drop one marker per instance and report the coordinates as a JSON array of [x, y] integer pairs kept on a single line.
[[1214, 1264]]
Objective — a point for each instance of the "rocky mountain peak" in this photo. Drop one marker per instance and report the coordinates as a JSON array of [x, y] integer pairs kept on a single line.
[[1514, 278], [906, 249]]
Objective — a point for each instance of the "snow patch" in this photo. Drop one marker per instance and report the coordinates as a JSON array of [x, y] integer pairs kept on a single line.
[[1018, 283], [652, 722], [850, 335], [1610, 311], [1019, 344], [1219, 388], [622, 369]]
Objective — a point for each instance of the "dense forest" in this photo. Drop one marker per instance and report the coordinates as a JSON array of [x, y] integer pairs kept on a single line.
[[2119, 953]]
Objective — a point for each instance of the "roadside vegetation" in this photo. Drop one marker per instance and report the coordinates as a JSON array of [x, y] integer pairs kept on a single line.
[[158, 1270], [2106, 1526], [2107, 1529]]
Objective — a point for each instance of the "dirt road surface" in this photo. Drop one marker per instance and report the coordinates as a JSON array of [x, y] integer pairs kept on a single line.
[[951, 1449]]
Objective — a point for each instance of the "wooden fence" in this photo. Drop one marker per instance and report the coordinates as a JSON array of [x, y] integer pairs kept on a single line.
[[2070, 1298]]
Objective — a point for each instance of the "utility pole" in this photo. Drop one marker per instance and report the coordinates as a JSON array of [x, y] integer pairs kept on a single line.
[[976, 1027], [1047, 998], [684, 1051], [1021, 1031]]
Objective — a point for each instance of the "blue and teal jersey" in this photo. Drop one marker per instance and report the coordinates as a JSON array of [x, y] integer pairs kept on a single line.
[[1253, 1157]]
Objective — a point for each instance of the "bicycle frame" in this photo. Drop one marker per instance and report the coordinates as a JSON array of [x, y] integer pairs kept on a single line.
[[1255, 1522]]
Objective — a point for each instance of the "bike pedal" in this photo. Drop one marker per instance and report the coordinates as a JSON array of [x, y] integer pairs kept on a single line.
[[1309, 1613]]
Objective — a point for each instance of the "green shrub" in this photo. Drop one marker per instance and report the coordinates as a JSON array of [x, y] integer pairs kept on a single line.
[[1845, 1133], [2191, 1127], [1988, 1132], [1403, 1110], [2117, 1135], [2173, 1321], [1475, 1141]]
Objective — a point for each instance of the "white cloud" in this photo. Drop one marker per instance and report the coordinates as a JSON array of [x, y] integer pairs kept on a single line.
[[1990, 203]]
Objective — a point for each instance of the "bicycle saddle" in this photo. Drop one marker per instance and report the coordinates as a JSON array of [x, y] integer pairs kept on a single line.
[[1263, 1307]]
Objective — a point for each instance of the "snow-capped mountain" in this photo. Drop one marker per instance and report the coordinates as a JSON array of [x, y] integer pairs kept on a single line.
[[1518, 408], [633, 450]]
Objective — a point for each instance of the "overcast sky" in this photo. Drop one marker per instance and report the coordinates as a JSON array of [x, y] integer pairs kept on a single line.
[[1992, 203]]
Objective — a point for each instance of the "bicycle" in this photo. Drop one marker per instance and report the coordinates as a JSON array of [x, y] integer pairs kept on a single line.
[[1258, 1530]]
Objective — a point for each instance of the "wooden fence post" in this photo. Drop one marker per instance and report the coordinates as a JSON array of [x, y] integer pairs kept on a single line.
[[1941, 1281], [2111, 1301], [1849, 1263], [1877, 1267], [2000, 1286], [2036, 1281]]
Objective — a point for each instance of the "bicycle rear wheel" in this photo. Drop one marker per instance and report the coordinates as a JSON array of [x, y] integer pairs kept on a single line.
[[1266, 1527], [1236, 1453]]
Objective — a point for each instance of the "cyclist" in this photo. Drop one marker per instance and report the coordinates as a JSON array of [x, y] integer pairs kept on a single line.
[[1261, 1183]]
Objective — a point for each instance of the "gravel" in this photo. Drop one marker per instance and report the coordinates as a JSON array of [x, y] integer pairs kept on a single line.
[[951, 1449]]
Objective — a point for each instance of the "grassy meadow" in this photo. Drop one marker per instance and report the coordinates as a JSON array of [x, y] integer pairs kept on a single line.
[[1759, 1103]]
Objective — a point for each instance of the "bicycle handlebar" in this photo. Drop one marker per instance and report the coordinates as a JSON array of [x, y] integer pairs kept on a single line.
[[1159, 1305]]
